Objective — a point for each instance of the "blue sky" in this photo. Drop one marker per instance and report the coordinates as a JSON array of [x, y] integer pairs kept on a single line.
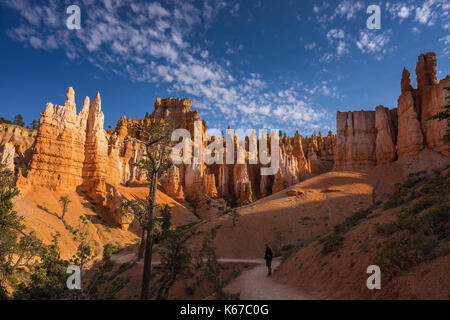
[[250, 64]]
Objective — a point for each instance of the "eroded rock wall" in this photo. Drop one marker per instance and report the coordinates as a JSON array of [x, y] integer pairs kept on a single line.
[[396, 133], [72, 152]]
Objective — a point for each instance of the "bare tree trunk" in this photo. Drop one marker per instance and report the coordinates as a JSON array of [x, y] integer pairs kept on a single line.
[[64, 212], [142, 244], [149, 243]]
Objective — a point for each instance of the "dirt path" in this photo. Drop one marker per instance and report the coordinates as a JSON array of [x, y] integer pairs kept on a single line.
[[254, 284]]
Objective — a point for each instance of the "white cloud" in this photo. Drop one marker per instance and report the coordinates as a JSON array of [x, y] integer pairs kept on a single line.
[[446, 41], [155, 43], [370, 42], [235, 9], [348, 9], [155, 10], [310, 46], [335, 34]]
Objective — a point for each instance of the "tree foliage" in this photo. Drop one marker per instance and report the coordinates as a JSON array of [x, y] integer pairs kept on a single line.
[[18, 120], [155, 135]]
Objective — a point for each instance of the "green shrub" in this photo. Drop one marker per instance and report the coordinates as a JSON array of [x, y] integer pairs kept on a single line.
[[332, 243], [397, 256], [421, 205], [387, 228], [433, 222], [393, 201]]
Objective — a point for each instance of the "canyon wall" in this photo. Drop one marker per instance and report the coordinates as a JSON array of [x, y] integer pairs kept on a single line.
[[72, 153], [299, 158], [20, 140], [369, 138], [7, 152]]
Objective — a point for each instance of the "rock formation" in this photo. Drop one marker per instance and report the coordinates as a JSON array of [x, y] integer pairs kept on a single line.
[[7, 152], [58, 152], [241, 182], [71, 153], [356, 136], [385, 123], [21, 139], [365, 138]]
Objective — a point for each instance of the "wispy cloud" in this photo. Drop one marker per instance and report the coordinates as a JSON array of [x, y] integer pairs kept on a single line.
[[370, 42], [154, 42]]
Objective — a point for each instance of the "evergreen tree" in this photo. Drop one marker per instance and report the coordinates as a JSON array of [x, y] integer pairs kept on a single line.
[[18, 120], [3, 120], [175, 258], [34, 125], [156, 137], [10, 223], [48, 276]]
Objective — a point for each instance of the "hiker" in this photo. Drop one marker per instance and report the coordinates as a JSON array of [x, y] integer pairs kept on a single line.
[[268, 258]]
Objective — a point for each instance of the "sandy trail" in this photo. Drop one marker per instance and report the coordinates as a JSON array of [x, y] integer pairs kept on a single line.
[[254, 284]]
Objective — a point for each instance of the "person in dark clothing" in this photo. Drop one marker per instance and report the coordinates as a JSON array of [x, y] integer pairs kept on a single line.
[[268, 258]]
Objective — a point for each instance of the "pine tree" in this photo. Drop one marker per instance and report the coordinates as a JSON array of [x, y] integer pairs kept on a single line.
[[10, 223], [34, 125], [175, 258], [18, 120], [156, 137]]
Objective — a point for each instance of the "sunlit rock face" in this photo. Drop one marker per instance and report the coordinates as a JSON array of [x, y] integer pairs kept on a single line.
[[7, 153], [19, 141], [367, 138], [73, 152], [241, 182]]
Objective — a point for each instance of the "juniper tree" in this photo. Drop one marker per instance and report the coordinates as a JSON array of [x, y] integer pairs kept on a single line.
[[155, 135]]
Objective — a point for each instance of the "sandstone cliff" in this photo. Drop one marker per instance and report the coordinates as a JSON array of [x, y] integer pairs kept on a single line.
[[21, 139], [299, 158], [367, 138], [7, 152], [71, 154]]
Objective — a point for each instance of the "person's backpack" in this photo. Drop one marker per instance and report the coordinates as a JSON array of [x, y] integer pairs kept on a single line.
[[268, 254]]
